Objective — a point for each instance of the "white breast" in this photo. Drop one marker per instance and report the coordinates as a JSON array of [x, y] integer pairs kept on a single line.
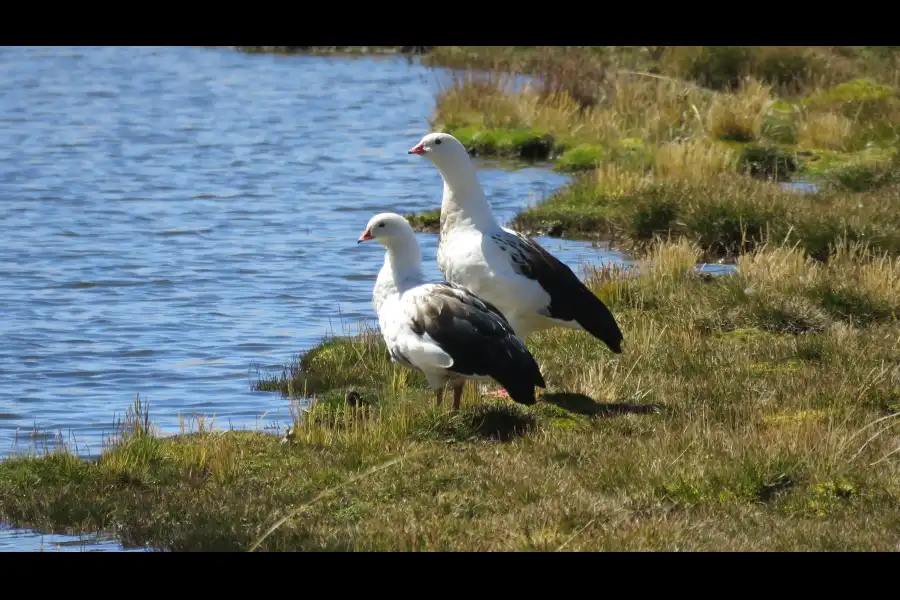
[[480, 264], [383, 289]]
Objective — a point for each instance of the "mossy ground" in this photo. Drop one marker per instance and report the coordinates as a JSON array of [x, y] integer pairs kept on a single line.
[[426, 222], [752, 411], [678, 119]]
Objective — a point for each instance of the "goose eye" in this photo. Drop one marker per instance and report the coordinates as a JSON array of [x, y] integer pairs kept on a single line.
[[381, 224], [438, 142]]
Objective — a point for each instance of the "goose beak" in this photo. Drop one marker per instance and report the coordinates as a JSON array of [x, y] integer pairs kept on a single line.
[[366, 236], [417, 149]]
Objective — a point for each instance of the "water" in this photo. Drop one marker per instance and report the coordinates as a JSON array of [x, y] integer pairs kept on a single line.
[[17, 540], [175, 218]]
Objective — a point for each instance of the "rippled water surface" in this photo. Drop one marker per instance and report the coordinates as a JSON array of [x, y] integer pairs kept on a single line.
[[175, 218]]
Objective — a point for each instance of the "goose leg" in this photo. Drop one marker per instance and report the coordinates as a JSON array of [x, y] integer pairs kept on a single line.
[[458, 387]]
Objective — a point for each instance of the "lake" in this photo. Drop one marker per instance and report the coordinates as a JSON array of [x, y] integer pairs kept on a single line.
[[178, 220]]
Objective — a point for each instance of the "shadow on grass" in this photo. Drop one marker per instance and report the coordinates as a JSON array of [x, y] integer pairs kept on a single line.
[[585, 405], [498, 422]]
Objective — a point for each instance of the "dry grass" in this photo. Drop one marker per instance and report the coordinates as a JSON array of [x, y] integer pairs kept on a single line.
[[634, 106], [779, 108], [739, 116], [656, 155], [750, 412], [830, 131], [790, 70], [657, 110], [695, 161]]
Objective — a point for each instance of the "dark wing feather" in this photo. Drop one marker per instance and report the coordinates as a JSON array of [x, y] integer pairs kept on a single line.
[[478, 338], [466, 295], [570, 299]]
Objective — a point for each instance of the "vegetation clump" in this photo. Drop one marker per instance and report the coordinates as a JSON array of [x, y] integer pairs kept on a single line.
[[428, 221]]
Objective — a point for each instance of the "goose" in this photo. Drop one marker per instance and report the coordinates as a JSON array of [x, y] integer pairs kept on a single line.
[[532, 288], [442, 328]]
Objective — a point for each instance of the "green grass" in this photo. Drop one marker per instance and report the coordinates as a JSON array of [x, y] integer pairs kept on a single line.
[[506, 143], [428, 221], [753, 411]]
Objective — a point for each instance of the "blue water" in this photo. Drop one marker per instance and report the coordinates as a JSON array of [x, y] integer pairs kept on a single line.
[[175, 218]]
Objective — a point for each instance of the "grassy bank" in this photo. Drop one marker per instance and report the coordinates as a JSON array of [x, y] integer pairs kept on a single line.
[[724, 212], [688, 140], [753, 411]]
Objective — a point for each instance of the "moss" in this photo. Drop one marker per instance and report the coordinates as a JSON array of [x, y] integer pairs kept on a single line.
[[577, 211], [750, 484], [582, 158], [792, 137], [426, 222], [504, 142], [825, 498], [788, 366], [790, 69], [629, 153], [342, 364]]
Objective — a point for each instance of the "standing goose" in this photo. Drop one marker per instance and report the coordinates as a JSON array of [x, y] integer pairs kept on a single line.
[[442, 329], [531, 287]]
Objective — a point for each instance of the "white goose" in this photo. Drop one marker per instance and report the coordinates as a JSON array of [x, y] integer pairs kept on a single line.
[[531, 287], [441, 328]]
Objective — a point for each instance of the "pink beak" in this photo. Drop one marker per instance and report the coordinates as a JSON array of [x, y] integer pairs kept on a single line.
[[418, 149], [366, 235]]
